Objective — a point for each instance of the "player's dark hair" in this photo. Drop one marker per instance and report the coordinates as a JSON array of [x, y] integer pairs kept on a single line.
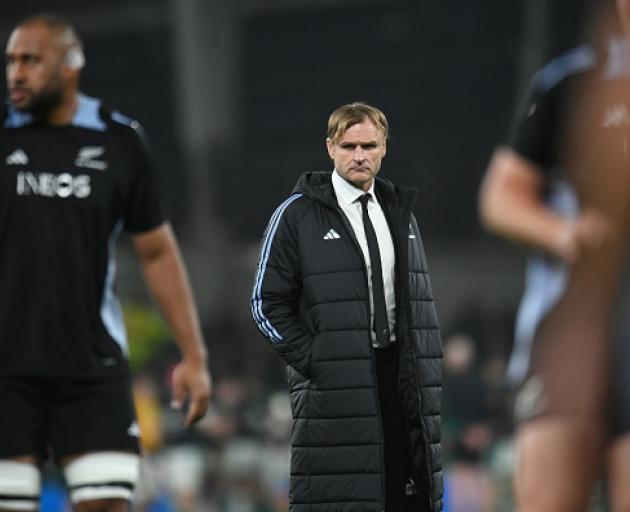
[[57, 24]]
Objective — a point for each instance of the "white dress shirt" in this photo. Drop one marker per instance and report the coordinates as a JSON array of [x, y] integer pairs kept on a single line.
[[348, 198]]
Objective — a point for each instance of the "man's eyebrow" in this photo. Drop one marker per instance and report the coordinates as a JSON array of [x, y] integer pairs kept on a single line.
[[20, 55], [361, 143]]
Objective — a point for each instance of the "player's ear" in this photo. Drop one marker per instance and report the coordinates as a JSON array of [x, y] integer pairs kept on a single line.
[[74, 58]]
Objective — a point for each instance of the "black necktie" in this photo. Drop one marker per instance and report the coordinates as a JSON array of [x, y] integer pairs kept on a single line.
[[381, 324]]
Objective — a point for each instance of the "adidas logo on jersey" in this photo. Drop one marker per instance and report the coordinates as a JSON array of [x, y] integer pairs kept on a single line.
[[331, 235], [87, 158], [18, 157]]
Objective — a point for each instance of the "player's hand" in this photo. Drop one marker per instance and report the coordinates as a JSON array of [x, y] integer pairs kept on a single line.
[[585, 233], [191, 381]]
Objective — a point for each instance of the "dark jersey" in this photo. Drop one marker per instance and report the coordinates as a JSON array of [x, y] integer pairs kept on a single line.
[[574, 126], [541, 126], [577, 111], [65, 194]]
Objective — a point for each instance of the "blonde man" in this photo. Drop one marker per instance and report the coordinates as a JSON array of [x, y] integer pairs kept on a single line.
[[342, 293]]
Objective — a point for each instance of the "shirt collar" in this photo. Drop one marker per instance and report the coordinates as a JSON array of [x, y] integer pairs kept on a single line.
[[346, 192]]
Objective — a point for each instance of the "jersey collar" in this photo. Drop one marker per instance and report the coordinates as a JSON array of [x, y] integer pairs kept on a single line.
[[87, 115]]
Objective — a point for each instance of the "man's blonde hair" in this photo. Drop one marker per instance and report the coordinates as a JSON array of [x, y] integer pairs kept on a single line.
[[354, 113]]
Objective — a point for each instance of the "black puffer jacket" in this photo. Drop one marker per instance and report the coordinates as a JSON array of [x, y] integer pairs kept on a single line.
[[311, 302]]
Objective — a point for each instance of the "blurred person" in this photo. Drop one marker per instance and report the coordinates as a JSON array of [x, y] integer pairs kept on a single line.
[[464, 401], [342, 293], [275, 463], [561, 186], [183, 469], [76, 173], [467, 435], [149, 416], [148, 412]]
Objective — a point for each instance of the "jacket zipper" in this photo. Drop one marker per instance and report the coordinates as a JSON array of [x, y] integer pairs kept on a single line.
[[398, 240]]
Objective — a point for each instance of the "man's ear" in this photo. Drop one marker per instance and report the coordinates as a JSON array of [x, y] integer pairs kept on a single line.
[[331, 148]]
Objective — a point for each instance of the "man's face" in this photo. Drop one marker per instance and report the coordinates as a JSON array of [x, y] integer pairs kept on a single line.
[[35, 64], [358, 153]]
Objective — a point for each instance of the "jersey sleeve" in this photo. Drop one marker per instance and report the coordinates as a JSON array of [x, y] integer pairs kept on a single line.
[[535, 132], [143, 208]]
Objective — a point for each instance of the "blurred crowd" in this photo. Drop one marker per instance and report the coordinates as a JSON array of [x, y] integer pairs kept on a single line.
[[237, 458], [234, 460]]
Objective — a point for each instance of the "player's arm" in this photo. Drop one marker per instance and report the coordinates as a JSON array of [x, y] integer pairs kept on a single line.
[[167, 280], [511, 204]]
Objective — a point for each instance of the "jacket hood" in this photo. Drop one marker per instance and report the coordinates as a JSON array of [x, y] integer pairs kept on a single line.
[[317, 185]]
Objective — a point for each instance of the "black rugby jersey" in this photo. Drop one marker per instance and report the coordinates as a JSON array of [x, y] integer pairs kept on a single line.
[[65, 194], [579, 100], [555, 109]]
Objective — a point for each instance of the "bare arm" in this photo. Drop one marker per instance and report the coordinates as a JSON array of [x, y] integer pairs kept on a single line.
[[167, 281], [511, 205]]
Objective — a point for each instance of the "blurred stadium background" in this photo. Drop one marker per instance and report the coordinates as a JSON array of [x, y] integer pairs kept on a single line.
[[235, 96]]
